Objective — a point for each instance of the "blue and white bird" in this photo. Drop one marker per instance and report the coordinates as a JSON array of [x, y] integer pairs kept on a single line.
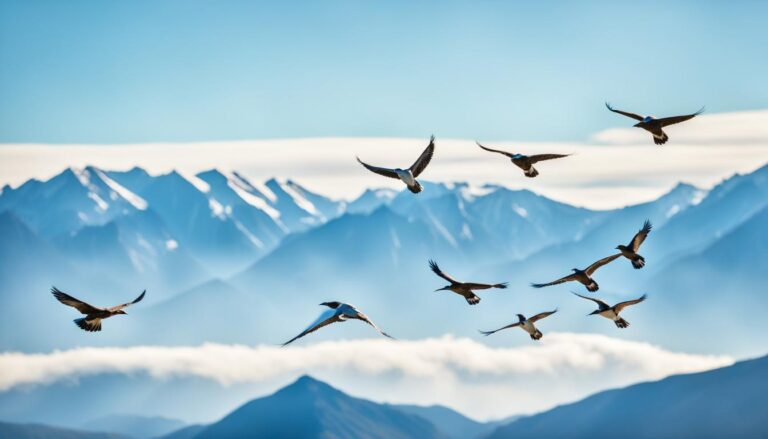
[[337, 312], [525, 162]]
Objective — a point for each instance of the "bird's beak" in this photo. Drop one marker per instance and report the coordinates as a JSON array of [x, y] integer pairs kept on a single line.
[[637, 125], [440, 289]]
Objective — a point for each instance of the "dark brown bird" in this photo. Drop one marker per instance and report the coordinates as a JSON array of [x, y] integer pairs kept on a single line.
[[630, 251], [653, 125], [526, 162], [463, 288], [93, 315], [407, 176], [337, 312], [612, 312], [526, 325], [582, 276]]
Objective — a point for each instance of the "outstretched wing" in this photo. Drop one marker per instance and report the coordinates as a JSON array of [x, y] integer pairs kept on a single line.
[[508, 154], [125, 305], [326, 318], [621, 305], [599, 302], [541, 157], [439, 272], [592, 268], [78, 304], [365, 318], [625, 113], [421, 163], [540, 316], [568, 278], [666, 121], [474, 286], [640, 236], [381, 171], [486, 333]]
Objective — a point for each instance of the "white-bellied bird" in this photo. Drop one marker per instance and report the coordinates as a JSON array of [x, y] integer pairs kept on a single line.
[[526, 162], [526, 325], [611, 312], [336, 312], [407, 176], [93, 315], [653, 125], [463, 289]]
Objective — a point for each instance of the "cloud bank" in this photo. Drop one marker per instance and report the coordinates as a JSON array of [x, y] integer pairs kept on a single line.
[[442, 367], [702, 152]]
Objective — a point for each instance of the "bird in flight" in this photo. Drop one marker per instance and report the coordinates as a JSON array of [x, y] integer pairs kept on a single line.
[[612, 312], [526, 162], [630, 251], [582, 276], [407, 176], [463, 288], [653, 125], [337, 312], [93, 315], [526, 325]]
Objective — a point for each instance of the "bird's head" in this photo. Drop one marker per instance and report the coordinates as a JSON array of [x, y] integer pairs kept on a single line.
[[521, 317], [445, 288], [618, 247], [332, 305], [575, 270]]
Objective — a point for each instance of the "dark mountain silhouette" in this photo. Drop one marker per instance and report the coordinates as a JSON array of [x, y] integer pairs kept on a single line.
[[726, 402], [309, 408]]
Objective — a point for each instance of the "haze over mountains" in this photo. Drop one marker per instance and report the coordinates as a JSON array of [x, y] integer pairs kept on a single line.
[[217, 238], [718, 403]]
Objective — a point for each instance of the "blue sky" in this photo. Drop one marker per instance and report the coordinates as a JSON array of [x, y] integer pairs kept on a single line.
[[141, 71]]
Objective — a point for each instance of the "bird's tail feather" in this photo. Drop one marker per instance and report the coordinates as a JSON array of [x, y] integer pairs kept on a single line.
[[531, 172], [621, 323], [537, 335], [416, 188], [593, 287], [661, 140], [638, 262], [90, 327]]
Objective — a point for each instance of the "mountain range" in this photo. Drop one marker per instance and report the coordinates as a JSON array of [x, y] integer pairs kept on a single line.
[[216, 237], [724, 402]]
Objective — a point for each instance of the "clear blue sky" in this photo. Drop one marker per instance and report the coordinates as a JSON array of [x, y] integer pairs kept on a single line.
[[135, 71]]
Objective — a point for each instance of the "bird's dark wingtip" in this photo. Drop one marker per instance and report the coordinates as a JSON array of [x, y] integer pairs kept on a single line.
[[537, 285], [502, 285]]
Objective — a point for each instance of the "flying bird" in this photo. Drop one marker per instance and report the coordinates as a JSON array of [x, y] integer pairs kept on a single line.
[[526, 325], [582, 276], [407, 176], [630, 251], [337, 312], [526, 162], [463, 288], [93, 315], [612, 312], [653, 125]]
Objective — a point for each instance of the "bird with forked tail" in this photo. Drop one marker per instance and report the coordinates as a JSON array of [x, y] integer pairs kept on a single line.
[[463, 289]]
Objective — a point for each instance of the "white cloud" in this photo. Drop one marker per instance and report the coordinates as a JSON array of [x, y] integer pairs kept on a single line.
[[458, 372], [631, 170]]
